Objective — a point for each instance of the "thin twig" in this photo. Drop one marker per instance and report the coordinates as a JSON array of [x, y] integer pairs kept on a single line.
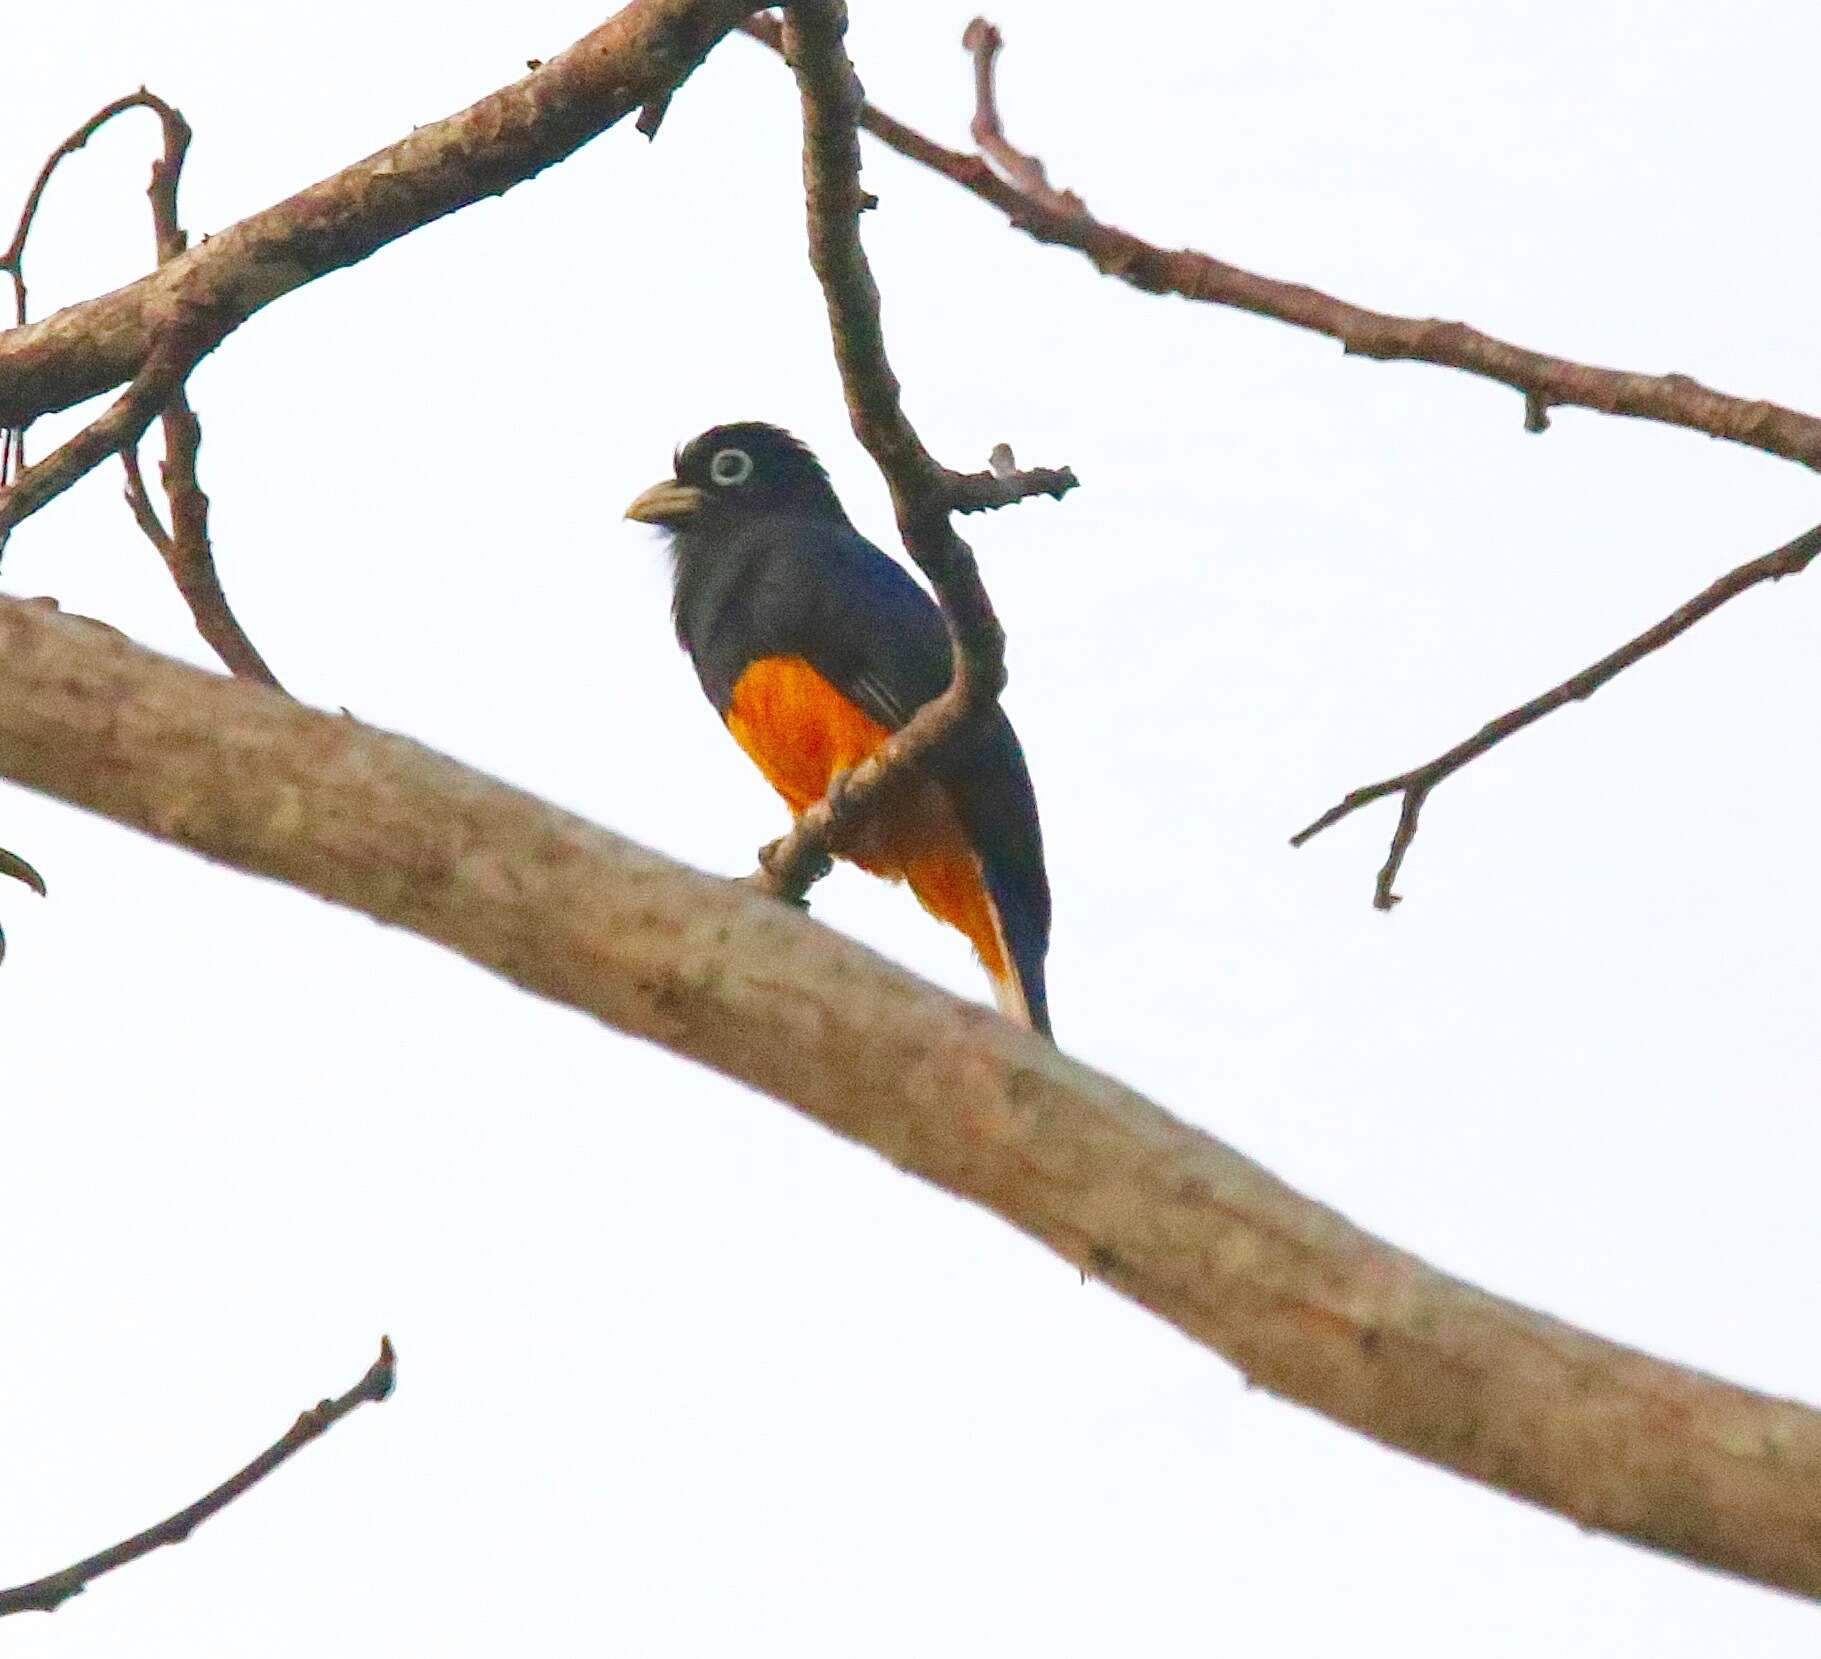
[[145, 515], [46, 1595], [186, 550], [191, 559], [924, 493], [1543, 381], [1416, 785], [983, 40], [192, 562]]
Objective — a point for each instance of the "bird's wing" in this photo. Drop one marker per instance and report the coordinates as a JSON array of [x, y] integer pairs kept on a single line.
[[822, 591], [856, 616]]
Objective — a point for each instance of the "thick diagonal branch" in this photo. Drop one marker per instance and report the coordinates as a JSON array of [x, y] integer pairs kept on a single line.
[[1059, 219], [1304, 1303], [638, 55], [924, 493], [1416, 785], [46, 1595]]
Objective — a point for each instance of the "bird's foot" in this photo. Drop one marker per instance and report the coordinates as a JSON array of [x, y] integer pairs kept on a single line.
[[765, 878]]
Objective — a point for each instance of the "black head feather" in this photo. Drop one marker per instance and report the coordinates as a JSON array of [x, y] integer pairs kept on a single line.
[[749, 467]]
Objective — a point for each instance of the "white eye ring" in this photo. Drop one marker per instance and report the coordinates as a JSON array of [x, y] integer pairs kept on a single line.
[[730, 466]]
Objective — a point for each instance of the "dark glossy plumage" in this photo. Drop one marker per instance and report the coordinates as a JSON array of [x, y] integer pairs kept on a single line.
[[769, 566]]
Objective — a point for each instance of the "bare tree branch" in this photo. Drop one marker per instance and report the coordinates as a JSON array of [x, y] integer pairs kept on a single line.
[[1415, 785], [640, 54], [924, 493], [46, 1595], [1544, 381], [1304, 1303]]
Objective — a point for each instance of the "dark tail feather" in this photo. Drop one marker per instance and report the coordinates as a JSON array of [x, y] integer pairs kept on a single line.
[[1022, 996]]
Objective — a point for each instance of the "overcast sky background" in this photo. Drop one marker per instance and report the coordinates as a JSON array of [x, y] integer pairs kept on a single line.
[[681, 1374]]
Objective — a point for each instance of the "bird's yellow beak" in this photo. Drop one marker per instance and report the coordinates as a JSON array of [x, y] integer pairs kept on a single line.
[[669, 504]]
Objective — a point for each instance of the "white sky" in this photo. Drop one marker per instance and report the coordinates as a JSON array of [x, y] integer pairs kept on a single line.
[[680, 1374]]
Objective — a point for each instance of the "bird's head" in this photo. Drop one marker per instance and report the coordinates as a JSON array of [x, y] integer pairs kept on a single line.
[[735, 472]]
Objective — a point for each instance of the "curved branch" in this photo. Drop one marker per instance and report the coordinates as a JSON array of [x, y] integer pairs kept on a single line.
[[924, 493], [637, 56], [12, 261], [1542, 380], [1416, 785], [1303, 1302], [46, 1595]]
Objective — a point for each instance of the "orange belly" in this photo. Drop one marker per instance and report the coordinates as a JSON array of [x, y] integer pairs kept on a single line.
[[800, 731]]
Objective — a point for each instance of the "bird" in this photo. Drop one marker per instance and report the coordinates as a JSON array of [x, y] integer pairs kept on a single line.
[[814, 646]]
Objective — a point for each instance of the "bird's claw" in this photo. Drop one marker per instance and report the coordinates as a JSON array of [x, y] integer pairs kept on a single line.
[[765, 878]]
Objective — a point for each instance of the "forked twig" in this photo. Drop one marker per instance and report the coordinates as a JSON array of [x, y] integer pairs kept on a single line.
[[1417, 784], [185, 547]]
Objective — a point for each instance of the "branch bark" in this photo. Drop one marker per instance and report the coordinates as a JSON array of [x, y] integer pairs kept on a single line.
[[47, 1594], [638, 56], [1059, 219], [1304, 1303], [1416, 785]]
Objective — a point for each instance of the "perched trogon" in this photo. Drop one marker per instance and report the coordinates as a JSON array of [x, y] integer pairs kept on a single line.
[[813, 647]]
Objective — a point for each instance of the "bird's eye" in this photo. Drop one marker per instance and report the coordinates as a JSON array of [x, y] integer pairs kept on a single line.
[[730, 466]]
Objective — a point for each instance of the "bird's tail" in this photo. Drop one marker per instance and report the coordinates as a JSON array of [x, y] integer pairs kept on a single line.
[[1020, 991]]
